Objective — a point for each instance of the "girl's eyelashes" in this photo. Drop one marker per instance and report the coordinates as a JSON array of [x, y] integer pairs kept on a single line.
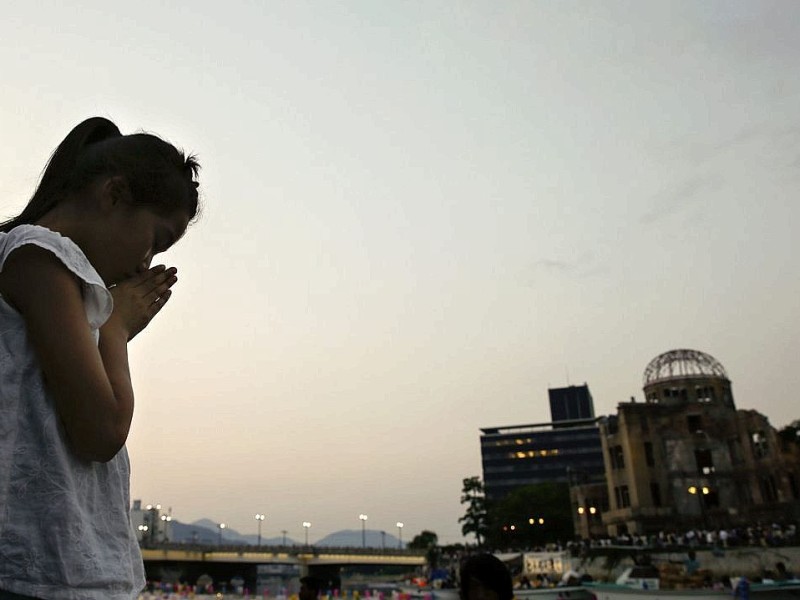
[[163, 243]]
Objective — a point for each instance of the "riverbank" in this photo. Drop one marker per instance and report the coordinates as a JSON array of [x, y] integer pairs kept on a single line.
[[751, 562]]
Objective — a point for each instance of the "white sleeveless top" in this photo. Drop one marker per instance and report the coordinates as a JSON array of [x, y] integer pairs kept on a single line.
[[65, 529]]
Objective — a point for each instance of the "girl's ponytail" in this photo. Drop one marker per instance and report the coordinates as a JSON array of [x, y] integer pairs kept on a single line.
[[60, 168]]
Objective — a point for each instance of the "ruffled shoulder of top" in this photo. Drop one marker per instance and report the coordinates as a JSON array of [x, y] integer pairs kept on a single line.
[[97, 299]]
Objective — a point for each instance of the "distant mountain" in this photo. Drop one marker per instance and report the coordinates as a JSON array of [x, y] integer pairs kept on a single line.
[[206, 531], [351, 538]]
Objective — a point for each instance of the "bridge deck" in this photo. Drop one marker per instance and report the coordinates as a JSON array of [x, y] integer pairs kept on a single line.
[[249, 555]]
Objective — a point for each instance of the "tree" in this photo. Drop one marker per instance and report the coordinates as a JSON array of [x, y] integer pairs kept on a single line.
[[475, 519], [531, 516], [423, 540], [428, 541]]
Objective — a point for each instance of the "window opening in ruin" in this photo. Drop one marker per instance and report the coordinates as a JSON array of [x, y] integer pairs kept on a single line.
[[759, 442], [769, 491], [622, 496], [704, 460], [694, 423], [648, 454], [711, 499], [735, 450], [704, 394], [675, 393], [616, 457], [793, 486], [655, 493]]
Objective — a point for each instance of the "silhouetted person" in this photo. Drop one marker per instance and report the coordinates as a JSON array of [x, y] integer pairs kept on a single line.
[[781, 574], [309, 588], [485, 577], [691, 564]]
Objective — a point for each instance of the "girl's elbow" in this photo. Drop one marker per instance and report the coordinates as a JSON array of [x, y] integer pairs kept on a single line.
[[100, 449]]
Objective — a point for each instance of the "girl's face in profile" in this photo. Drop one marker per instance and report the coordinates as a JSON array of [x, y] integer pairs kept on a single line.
[[478, 591], [133, 236]]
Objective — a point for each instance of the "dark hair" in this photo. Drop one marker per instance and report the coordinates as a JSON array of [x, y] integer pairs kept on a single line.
[[312, 583], [156, 172], [490, 571]]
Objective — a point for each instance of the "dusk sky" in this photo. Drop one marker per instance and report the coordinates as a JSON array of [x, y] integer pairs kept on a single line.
[[421, 215]]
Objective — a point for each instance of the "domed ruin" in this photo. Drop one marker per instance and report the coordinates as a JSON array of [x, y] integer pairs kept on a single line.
[[684, 375]]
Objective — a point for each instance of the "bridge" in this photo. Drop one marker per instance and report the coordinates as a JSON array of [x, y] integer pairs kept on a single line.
[[278, 567], [283, 555]]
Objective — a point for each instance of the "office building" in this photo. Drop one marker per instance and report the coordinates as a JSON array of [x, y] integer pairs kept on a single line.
[[518, 455]]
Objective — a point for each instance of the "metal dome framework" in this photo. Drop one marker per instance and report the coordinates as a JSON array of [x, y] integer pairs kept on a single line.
[[679, 364]]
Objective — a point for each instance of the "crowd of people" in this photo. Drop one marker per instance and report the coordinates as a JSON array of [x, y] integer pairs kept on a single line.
[[760, 535]]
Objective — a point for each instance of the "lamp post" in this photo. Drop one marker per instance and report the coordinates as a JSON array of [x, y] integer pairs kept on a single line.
[[166, 520], [260, 518], [363, 518], [399, 534], [221, 527], [306, 526], [151, 520], [701, 492]]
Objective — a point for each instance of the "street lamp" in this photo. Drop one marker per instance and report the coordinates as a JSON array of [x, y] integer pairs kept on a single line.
[[166, 519], [700, 492], [306, 525], [221, 527], [363, 518], [260, 518], [399, 534]]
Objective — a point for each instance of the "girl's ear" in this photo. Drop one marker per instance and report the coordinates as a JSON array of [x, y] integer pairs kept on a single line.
[[114, 191]]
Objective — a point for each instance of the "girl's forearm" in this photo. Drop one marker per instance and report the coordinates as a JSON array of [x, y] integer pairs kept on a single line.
[[113, 348]]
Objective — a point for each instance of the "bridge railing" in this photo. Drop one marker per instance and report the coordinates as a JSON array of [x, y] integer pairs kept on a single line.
[[291, 550]]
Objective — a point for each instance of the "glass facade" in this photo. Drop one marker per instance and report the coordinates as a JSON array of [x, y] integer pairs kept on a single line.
[[527, 454]]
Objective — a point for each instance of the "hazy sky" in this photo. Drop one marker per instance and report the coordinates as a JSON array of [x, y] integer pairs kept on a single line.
[[421, 215]]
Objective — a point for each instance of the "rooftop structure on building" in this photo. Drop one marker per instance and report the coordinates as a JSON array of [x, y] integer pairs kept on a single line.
[[572, 403]]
